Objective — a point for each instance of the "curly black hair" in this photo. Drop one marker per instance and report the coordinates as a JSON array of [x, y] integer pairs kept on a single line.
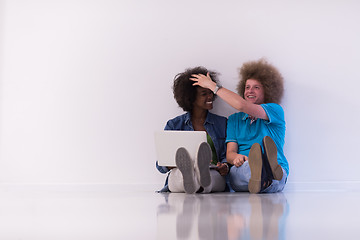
[[183, 89], [267, 75]]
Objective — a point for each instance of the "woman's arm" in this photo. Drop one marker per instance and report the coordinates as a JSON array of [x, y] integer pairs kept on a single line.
[[230, 97], [232, 155]]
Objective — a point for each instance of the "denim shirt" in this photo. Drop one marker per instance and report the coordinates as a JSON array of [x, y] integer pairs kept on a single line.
[[215, 126]]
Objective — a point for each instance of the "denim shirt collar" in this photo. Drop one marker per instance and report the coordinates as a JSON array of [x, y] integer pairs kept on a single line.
[[209, 118]]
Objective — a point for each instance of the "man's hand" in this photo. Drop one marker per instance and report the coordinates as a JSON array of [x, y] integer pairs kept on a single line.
[[239, 160], [203, 81]]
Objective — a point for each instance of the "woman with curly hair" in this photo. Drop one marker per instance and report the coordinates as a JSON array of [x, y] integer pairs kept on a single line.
[[194, 175], [256, 134]]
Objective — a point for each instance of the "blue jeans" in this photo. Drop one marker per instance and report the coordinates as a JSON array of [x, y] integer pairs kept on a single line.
[[240, 176]]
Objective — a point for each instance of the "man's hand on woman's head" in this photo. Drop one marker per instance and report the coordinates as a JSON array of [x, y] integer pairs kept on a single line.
[[203, 81]]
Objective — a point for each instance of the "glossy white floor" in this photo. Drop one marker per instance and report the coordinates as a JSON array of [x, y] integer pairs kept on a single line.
[[112, 212]]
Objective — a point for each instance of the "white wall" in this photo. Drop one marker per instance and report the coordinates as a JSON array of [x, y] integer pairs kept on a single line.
[[84, 84]]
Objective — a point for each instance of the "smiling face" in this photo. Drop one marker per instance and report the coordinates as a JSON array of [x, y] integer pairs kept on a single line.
[[254, 91], [204, 99]]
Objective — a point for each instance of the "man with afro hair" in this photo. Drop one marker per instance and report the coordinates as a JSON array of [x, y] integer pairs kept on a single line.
[[256, 134]]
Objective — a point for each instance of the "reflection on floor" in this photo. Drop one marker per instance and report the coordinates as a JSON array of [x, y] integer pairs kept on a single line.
[[113, 212], [222, 216]]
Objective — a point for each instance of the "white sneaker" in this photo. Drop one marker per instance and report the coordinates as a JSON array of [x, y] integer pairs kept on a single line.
[[202, 162], [186, 167]]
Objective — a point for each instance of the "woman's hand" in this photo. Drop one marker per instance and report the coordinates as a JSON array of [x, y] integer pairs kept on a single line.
[[239, 160], [203, 81], [222, 168]]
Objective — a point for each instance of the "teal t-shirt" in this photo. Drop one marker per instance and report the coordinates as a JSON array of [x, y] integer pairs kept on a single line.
[[240, 130]]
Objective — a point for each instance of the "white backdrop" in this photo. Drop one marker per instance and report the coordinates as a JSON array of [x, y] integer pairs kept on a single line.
[[84, 84]]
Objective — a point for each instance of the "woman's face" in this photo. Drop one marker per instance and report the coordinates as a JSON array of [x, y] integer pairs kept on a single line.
[[204, 99], [254, 91]]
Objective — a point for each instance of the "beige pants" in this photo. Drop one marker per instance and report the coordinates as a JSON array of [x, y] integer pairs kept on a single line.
[[176, 182]]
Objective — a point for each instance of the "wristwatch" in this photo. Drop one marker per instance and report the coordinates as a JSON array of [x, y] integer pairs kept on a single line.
[[216, 88]]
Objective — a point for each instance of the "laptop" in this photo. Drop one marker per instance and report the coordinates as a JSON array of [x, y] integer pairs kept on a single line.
[[167, 143]]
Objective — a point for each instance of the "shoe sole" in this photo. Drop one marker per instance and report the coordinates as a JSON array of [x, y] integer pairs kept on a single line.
[[271, 153], [255, 163], [186, 167], [204, 156]]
